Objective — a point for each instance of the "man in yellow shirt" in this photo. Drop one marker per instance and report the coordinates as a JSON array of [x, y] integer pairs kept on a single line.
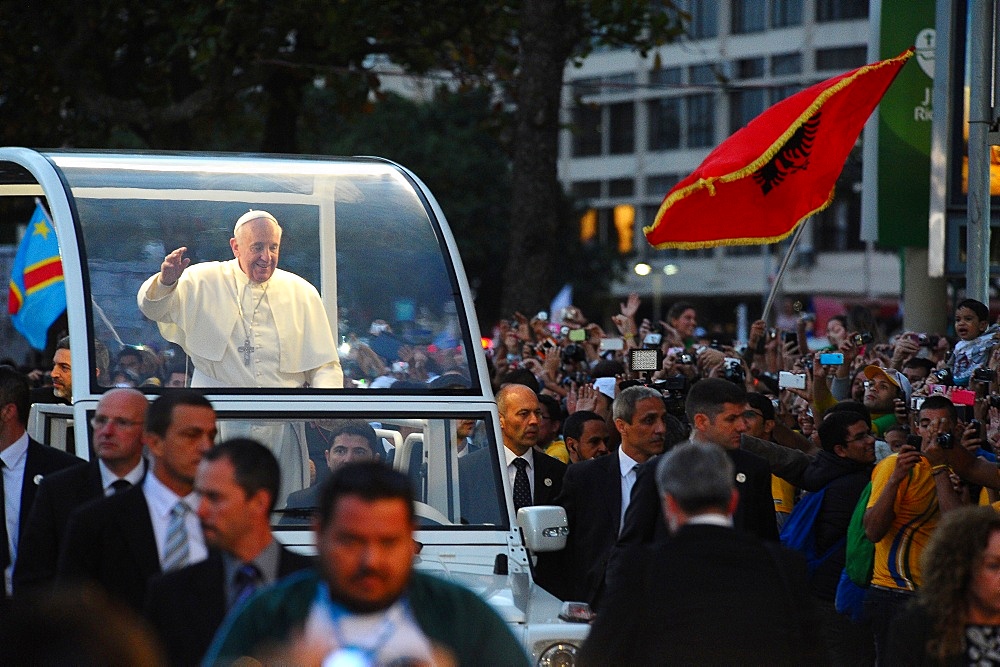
[[910, 490]]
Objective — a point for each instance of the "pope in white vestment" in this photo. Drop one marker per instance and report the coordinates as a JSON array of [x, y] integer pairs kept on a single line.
[[247, 323]]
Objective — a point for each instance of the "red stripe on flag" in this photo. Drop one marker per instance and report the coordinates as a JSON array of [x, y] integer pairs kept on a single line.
[[14, 299], [41, 274]]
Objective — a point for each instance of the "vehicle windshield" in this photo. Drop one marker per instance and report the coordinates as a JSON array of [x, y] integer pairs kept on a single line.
[[358, 231]]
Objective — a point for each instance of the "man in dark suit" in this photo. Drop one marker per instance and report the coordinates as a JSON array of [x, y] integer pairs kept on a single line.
[[122, 541], [23, 464], [535, 478], [595, 493], [716, 410], [238, 483], [713, 595], [117, 466]]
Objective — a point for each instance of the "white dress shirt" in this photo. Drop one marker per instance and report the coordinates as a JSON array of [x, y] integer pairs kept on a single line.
[[528, 456], [133, 476], [627, 465], [14, 458], [161, 501]]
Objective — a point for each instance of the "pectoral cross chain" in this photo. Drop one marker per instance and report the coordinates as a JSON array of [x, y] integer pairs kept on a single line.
[[247, 349]]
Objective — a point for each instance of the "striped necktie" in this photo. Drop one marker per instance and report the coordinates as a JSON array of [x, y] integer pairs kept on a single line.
[[175, 551]]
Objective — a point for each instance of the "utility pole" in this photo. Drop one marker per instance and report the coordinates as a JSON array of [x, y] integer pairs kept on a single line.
[[981, 60]]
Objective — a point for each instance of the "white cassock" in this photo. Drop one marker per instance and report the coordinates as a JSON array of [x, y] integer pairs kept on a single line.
[[244, 334]]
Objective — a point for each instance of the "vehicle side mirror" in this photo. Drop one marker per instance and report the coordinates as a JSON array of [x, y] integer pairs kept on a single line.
[[544, 527]]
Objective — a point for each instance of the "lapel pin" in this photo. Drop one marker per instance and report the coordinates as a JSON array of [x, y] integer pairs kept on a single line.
[[740, 477], [37, 480], [548, 482]]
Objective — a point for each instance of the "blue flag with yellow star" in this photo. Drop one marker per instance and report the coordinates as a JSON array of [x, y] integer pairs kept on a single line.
[[37, 294]]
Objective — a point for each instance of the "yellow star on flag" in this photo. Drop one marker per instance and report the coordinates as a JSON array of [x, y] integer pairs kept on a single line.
[[41, 229]]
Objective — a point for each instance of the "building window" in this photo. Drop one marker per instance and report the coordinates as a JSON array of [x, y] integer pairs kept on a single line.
[[623, 217], [621, 128], [778, 93], [585, 87], [840, 10], [744, 106], [700, 120], [786, 63], [845, 58], [659, 186], [621, 187], [665, 123], [785, 13], [587, 190], [586, 130], [748, 16], [704, 23], [751, 68], [666, 76], [702, 74]]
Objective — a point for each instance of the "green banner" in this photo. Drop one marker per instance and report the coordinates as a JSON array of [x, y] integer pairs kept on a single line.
[[905, 125]]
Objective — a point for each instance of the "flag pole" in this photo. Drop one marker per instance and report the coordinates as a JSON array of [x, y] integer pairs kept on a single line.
[[781, 270]]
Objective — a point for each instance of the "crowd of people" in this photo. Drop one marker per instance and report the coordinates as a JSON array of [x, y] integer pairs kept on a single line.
[[682, 460]]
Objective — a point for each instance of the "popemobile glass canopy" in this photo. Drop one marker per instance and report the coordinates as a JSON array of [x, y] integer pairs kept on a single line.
[[364, 231]]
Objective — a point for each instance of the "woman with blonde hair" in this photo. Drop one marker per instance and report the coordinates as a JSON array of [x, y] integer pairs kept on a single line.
[[955, 618]]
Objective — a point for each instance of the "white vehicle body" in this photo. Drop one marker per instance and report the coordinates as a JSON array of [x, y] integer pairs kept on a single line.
[[374, 242]]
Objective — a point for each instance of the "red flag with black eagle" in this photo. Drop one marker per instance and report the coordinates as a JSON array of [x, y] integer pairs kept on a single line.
[[758, 185]]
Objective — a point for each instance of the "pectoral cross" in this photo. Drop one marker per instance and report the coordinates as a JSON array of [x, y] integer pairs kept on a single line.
[[247, 349]]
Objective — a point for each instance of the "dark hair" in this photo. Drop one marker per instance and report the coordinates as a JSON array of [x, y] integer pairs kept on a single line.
[[939, 402], [574, 424], [919, 362], [678, 309], [551, 406], [981, 310], [14, 389], [706, 397], [63, 343], [762, 403], [850, 405], [521, 376], [833, 429], [161, 411], [370, 480], [254, 465], [607, 368], [360, 428]]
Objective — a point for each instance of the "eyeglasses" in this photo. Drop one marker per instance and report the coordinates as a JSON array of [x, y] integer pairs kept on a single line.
[[100, 421], [864, 435]]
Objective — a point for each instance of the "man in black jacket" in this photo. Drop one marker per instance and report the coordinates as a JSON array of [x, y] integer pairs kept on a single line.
[[238, 484], [841, 470], [713, 595]]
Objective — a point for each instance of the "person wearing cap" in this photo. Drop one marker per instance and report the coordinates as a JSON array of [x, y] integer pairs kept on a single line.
[[244, 322], [885, 387]]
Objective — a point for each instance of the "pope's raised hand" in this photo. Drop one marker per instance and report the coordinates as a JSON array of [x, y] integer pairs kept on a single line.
[[173, 266]]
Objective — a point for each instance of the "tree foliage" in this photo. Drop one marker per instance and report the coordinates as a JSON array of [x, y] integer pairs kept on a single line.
[[242, 74]]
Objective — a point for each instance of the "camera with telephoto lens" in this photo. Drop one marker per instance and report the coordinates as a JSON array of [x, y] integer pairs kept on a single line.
[[983, 374], [572, 352], [732, 370], [941, 375], [862, 338]]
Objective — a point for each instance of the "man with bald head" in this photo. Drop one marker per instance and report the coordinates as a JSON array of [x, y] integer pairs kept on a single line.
[[535, 478], [118, 465], [244, 322]]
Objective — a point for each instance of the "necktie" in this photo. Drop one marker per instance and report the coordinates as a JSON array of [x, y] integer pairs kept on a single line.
[[175, 552], [522, 489], [120, 485], [245, 582], [4, 542]]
